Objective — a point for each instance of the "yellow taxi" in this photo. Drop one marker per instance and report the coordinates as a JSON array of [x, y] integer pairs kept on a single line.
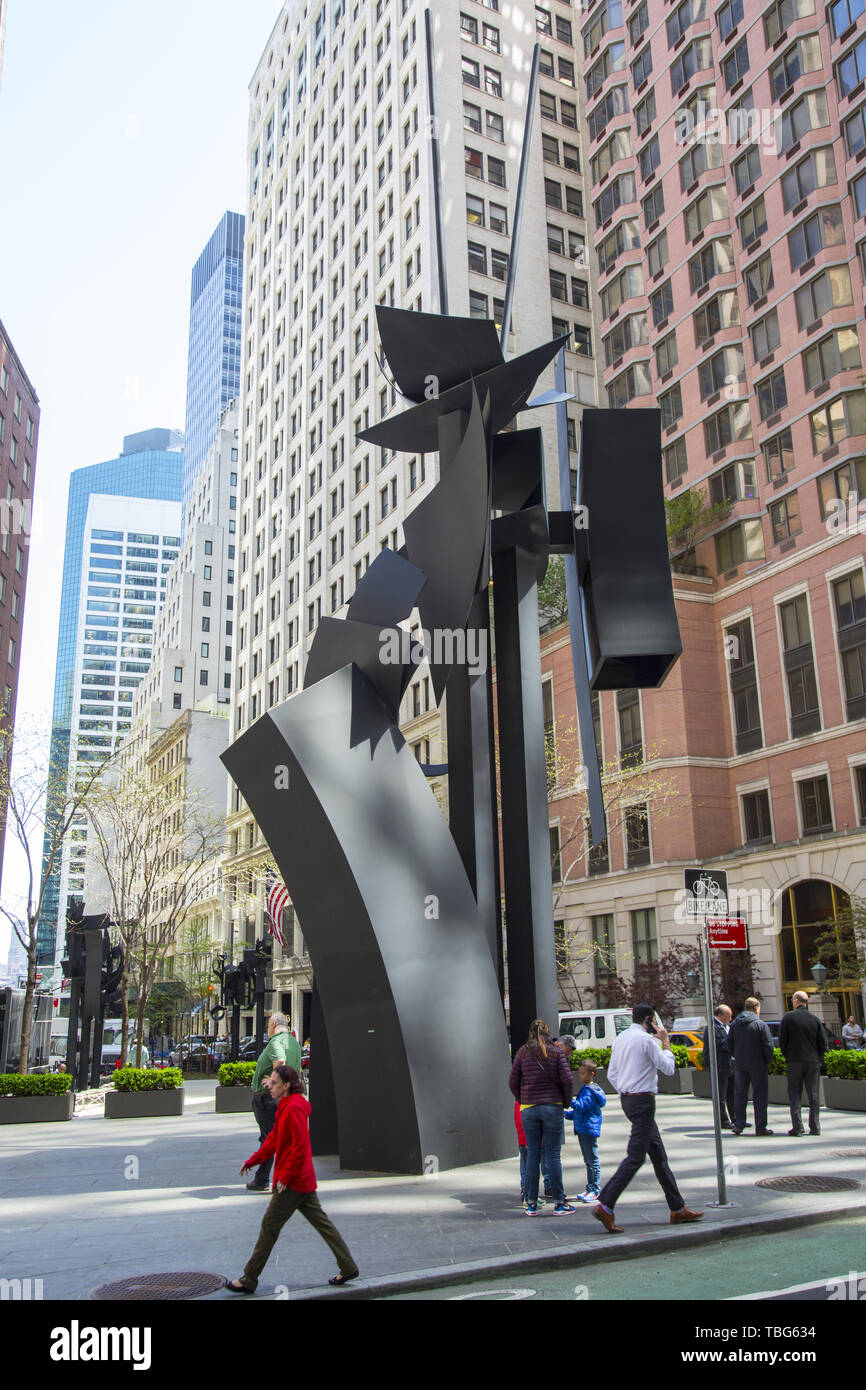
[[693, 1042]]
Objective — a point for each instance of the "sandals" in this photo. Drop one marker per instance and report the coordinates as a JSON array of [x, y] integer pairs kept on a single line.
[[339, 1279], [235, 1288]]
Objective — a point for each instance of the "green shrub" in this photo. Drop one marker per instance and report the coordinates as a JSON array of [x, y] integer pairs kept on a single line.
[[147, 1079], [599, 1055], [777, 1066], [45, 1084], [236, 1073], [681, 1055], [847, 1066]]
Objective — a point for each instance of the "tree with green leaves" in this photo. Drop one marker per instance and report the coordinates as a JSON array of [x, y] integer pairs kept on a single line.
[[552, 597], [841, 946], [689, 515]]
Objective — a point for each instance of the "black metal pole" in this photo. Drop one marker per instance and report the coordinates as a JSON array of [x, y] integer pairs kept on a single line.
[[521, 195], [437, 167], [75, 990], [529, 930], [574, 598]]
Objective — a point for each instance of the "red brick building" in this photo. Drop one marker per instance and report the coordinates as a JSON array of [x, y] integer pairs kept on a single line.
[[724, 163], [19, 429]]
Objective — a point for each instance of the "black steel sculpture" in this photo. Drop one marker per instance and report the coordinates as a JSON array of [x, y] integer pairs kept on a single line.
[[401, 912], [94, 968], [407, 967]]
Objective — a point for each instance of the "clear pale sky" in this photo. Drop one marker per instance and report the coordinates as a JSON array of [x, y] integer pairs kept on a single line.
[[122, 143]]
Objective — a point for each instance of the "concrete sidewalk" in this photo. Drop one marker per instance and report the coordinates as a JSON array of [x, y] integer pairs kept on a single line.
[[93, 1201]]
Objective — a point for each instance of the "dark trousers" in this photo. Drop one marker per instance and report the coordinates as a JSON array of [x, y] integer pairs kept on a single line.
[[757, 1079], [281, 1206], [806, 1074], [265, 1112], [726, 1094], [644, 1141]]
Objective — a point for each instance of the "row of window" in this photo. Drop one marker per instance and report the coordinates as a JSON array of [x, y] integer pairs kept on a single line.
[[849, 600]]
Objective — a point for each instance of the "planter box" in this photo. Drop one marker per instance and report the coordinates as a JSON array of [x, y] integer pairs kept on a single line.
[[701, 1084], [841, 1094], [39, 1110], [234, 1100], [601, 1080], [777, 1089], [135, 1105], [680, 1084]]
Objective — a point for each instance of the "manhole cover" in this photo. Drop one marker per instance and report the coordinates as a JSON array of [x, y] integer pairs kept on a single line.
[[187, 1284], [809, 1182], [849, 1153]]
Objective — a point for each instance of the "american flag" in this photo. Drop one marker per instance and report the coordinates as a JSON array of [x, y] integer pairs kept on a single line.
[[278, 896]]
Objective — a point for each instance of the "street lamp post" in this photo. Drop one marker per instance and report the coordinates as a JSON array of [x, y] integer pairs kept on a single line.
[[710, 1053]]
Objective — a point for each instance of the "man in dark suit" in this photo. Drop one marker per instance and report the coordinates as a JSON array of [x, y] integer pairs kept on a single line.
[[721, 1024], [804, 1042], [752, 1048]]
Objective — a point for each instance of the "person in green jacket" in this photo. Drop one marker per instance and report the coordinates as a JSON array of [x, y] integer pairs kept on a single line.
[[280, 1047]]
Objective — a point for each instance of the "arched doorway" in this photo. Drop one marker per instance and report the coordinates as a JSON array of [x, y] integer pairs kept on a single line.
[[812, 912]]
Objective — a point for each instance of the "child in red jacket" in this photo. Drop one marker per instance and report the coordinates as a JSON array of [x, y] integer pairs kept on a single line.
[[294, 1183]]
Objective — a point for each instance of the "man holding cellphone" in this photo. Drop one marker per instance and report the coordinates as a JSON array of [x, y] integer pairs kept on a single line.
[[635, 1062]]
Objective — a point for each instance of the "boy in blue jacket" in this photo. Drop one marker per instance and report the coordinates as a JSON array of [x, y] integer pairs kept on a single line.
[[586, 1111]]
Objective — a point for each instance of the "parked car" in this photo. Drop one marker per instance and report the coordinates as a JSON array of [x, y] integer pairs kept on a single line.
[[693, 1042], [194, 1057]]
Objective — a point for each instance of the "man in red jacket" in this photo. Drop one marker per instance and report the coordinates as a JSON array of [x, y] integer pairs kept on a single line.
[[294, 1183]]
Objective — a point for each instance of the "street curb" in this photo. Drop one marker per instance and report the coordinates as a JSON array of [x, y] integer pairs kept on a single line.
[[584, 1253]]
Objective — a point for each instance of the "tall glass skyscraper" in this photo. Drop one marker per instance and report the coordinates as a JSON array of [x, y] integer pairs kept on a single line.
[[214, 366], [122, 535]]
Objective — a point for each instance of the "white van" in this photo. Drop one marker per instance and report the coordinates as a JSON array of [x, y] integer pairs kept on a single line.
[[594, 1027]]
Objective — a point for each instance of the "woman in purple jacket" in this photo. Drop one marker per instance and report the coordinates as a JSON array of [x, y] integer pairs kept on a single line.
[[542, 1082]]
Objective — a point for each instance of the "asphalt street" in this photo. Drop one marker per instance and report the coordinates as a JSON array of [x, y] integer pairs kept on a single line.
[[758, 1267]]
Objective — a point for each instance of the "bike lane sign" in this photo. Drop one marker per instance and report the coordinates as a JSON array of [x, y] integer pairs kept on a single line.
[[706, 893]]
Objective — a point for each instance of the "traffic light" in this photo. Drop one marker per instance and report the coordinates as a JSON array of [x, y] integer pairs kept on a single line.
[[112, 974]]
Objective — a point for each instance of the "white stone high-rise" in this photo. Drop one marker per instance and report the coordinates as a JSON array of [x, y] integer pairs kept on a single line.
[[340, 218], [194, 629]]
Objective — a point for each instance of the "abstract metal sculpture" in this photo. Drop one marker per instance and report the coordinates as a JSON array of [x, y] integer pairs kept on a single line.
[[399, 913]]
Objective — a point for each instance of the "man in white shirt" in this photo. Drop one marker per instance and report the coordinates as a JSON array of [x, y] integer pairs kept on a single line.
[[852, 1034], [635, 1062]]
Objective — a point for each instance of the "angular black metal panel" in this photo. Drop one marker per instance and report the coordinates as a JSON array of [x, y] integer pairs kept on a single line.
[[509, 387], [446, 534], [472, 813], [632, 629], [518, 465], [387, 592], [427, 351], [418, 1044], [339, 641]]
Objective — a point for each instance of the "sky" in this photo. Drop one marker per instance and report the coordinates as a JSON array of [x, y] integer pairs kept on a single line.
[[122, 142]]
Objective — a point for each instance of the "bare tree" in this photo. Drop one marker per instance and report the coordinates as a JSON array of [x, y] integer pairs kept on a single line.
[[46, 805], [637, 790], [154, 847]]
